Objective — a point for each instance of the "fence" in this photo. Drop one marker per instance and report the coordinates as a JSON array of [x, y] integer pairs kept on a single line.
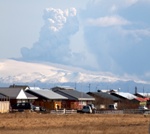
[[63, 111], [136, 111], [4, 106], [109, 111], [126, 111]]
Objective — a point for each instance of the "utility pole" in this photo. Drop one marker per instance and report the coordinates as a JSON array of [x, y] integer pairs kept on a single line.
[[89, 87], [75, 85]]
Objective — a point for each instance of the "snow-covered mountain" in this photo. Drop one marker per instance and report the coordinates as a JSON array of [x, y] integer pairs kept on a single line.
[[19, 71], [13, 71]]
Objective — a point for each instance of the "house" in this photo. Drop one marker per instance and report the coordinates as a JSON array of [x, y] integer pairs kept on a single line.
[[14, 95], [46, 98], [103, 99], [143, 98], [127, 100], [75, 99]]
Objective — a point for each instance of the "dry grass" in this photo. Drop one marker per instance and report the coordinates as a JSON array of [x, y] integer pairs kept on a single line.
[[35, 123]]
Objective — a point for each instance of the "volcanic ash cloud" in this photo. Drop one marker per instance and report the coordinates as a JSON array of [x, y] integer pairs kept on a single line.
[[54, 40]]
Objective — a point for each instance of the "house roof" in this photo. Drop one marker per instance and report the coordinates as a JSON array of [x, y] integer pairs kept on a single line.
[[144, 94], [73, 94], [48, 94], [10, 92], [33, 88], [30, 96], [141, 99], [3, 96], [125, 95], [105, 95]]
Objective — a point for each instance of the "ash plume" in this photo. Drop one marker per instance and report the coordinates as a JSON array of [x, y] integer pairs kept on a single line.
[[53, 43]]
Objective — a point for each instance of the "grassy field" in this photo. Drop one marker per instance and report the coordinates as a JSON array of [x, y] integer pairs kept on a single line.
[[36, 123]]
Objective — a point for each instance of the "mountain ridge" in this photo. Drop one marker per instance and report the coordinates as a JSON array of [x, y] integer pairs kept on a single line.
[[13, 71], [27, 72]]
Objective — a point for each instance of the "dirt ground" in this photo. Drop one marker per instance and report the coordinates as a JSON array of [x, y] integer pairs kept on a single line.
[[38, 123]]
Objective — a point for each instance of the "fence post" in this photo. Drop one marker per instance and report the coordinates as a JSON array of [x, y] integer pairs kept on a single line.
[[149, 127], [64, 111]]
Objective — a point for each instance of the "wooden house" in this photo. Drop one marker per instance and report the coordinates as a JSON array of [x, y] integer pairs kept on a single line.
[[127, 100], [143, 98], [75, 99], [103, 99], [14, 95], [46, 98]]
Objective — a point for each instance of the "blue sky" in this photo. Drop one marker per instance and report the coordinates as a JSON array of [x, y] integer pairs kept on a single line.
[[109, 36]]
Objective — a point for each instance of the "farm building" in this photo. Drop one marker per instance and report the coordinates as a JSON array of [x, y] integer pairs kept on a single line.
[[75, 99]]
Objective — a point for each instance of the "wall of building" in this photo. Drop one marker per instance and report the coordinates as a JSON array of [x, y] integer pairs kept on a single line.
[[4, 106]]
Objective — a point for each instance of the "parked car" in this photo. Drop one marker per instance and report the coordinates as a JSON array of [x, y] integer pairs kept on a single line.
[[26, 106], [37, 108], [112, 107], [143, 108], [89, 108]]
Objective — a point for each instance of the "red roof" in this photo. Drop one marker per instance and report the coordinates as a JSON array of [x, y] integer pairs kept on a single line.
[[142, 99]]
